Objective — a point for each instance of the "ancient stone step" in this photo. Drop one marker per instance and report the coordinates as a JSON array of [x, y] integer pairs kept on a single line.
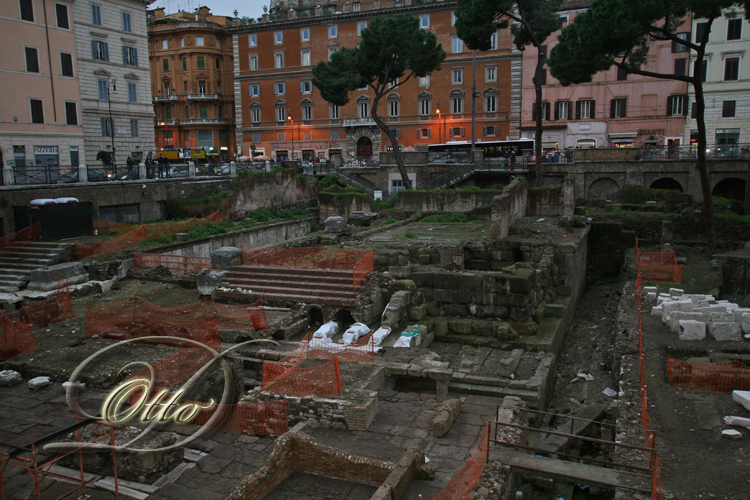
[[289, 297]]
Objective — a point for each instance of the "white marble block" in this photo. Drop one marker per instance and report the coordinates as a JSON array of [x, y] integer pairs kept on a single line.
[[721, 317], [676, 292], [725, 332], [739, 312], [677, 316], [743, 398], [650, 289], [651, 297], [656, 311], [745, 323], [692, 330]]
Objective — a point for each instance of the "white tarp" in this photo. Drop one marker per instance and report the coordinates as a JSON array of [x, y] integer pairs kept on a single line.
[[326, 331], [380, 335], [355, 332]]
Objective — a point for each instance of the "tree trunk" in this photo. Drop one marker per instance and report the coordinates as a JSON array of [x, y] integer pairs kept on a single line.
[[394, 142], [540, 61], [708, 203]]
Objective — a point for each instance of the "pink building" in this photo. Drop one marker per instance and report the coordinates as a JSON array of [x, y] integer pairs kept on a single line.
[[615, 109]]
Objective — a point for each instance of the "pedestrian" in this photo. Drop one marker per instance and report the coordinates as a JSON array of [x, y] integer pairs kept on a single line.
[[513, 159]]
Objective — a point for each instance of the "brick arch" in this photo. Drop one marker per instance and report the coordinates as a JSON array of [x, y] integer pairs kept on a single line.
[[716, 177], [667, 183], [730, 187], [603, 188], [372, 133]]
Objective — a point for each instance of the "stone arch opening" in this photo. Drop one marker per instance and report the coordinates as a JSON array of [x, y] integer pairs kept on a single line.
[[667, 183], [364, 146], [603, 189], [315, 317], [732, 188], [344, 318]]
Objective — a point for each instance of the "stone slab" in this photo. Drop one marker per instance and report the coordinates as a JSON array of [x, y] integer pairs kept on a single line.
[[743, 398], [207, 280], [678, 316], [48, 278], [725, 332], [692, 330], [706, 415], [225, 257]]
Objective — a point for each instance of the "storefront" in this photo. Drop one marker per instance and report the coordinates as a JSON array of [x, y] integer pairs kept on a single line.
[[622, 139], [46, 156]]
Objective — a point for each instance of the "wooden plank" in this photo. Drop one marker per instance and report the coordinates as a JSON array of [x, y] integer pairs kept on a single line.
[[586, 474], [145, 488], [75, 475], [122, 490]]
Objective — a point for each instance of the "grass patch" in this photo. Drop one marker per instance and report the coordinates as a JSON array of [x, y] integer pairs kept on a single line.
[[447, 218]]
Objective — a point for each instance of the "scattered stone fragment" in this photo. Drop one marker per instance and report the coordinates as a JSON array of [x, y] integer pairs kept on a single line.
[[743, 398], [10, 377], [731, 433], [609, 392], [79, 386], [38, 383], [737, 421]]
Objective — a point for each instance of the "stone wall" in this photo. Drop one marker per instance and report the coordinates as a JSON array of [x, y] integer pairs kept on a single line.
[[342, 204], [444, 200], [599, 154], [508, 207], [552, 201]]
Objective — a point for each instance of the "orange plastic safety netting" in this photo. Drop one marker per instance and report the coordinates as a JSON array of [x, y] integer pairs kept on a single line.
[[165, 229], [320, 380], [21, 238], [16, 339], [659, 267], [135, 310], [359, 261], [463, 483], [49, 311], [106, 226], [361, 350], [725, 376], [177, 263], [264, 418]]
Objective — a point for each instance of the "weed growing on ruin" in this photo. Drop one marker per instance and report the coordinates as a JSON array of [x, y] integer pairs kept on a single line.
[[444, 218]]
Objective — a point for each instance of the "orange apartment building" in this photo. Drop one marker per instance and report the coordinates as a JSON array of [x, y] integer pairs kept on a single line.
[[615, 109], [191, 76], [281, 114]]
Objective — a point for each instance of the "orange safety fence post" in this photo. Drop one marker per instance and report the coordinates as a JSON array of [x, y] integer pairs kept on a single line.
[[338, 374], [48, 311]]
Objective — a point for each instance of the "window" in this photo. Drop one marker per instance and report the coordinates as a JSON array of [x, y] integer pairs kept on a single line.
[[333, 111], [103, 91], [278, 37], [126, 25], [490, 130], [182, 41], [169, 113], [307, 112], [703, 70], [361, 27], [393, 83], [333, 31], [281, 115], [32, 60], [680, 66], [490, 73], [727, 136], [305, 57], [253, 62], [424, 81], [425, 105], [421, 132], [37, 111], [201, 86], [457, 76], [304, 34], [167, 89], [204, 111], [279, 59], [734, 29], [306, 86], [453, 18], [252, 40], [187, 137], [281, 137], [731, 68], [100, 50], [363, 108], [694, 110], [61, 13], [562, 110], [184, 63], [456, 132], [355, 7], [199, 41], [279, 88], [493, 41], [71, 113], [218, 43], [457, 104], [185, 87], [727, 109], [335, 135], [255, 114], [332, 50], [96, 14], [254, 89], [201, 62], [490, 103], [424, 21], [457, 45], [132, 92], [545, 111], [27, 10], [130, 55], [187, 112], [677, 105], [168, 138], [165, 64], [394, 106], [679, 47], [622, 75], [218, 63], [700, 29], [107, 127], [256, 137], [584, 110], [133, 128], [66, 64], [617, 108]]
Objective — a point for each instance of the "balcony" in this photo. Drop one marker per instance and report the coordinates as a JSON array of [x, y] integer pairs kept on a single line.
[[359, 122], [167, 122], [204, 121], [203, 96], [158, 98]]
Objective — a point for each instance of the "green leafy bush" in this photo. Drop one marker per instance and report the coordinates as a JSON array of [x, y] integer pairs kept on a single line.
[[444, 218], [390, 220]]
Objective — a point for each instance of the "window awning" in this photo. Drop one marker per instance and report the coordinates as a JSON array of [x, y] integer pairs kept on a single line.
[[623, 135]]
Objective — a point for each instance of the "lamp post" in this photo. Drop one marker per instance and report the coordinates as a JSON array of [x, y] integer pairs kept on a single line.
[[112, 81], [291, 157], [474, 95], [440, 134]]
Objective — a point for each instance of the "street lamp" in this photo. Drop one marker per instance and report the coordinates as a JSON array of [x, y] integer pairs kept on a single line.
[[289, 117], [112, 81], [440, 135], [474, 95]]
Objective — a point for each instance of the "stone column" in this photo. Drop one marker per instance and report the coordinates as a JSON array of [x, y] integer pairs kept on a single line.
[[83, 173], [232, 169], [569, 197], [8, 177], [142, 174], [191, 169]]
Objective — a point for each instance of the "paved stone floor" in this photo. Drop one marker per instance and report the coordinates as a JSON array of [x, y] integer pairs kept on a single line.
[[404, 419], [309, 487]]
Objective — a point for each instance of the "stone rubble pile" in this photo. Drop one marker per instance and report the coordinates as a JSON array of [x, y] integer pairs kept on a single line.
[[693, 316]]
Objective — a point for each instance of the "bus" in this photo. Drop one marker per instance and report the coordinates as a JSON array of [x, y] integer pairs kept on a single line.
[[491, 149], [186, 154]]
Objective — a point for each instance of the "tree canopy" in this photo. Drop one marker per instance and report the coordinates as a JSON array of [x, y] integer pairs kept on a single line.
[[392, 51]]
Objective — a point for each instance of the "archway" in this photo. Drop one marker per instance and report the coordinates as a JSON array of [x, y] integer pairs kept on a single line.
[[603, 189], [344, 318], [315, 317], [364, 146], [666, 183], [732, 188]]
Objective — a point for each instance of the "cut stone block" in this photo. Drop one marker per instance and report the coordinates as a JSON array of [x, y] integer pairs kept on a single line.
[[677, 316], [710, 299], [721, 317], [208, 280], [226, 257], [651, 297], [743, 398], [335, 224], [47, 278], [745, 323], [656, 311], [676, 292], [697, 297], [38, 383], [692, 330], [737, 421], [650, 289], [77, 386], [738, 312], [725, 332], [661, 298], [667, 309], [687, 305], [708, 310], [10, 377]]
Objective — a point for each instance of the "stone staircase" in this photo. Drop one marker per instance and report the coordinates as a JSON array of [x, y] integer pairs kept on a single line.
[[287, 284], [18, 259]]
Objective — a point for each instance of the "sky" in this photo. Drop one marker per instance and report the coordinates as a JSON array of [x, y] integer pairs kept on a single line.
[[249, 8]]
